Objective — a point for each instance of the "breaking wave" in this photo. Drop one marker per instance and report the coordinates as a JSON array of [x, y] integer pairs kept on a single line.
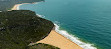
[[73, 38]]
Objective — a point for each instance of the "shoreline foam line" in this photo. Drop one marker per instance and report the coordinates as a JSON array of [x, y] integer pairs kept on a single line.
[[70, 37], [16, 7], [73, 38]]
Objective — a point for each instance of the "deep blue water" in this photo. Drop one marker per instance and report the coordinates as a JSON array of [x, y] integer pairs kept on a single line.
[[89, 20]]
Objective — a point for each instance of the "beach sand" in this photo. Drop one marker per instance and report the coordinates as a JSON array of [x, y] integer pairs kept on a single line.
[[60, 41], [55, 38], [16, 7]]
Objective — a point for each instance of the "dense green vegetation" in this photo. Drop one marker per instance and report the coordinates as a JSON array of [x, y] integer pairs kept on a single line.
[[8, 4], [19, 28], [42, 46]]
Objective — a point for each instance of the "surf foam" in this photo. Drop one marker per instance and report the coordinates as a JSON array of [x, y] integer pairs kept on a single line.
[[73, 38], [70, 36], [40, 15]]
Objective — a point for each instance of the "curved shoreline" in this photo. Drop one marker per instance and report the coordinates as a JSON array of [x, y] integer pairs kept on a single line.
[[62, 43], [16, 7]]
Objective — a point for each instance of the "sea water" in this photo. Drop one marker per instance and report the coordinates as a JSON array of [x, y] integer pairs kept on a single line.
[[85, 22]]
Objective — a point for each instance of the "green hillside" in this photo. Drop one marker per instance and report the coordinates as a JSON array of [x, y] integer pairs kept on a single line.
[[42, 46], [19, 28]]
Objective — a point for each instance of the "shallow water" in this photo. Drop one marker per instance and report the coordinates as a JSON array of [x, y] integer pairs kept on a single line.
[[89, 20]]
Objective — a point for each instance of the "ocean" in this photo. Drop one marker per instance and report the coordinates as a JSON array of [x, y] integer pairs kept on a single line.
[[85, 22]]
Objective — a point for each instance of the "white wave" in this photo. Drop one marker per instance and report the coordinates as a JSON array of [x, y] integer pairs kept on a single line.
[[18, 7], [73, 38], [57, 22], [69, 36], [41, 15]]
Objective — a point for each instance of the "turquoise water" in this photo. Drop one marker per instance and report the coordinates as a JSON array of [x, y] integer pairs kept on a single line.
[[89, 20]]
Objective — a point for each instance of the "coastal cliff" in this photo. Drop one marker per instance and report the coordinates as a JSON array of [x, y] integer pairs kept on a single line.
[[19, 28]]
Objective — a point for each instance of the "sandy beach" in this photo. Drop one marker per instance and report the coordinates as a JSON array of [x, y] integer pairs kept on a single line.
[[16, 7], [60, 41], [55, 38]]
